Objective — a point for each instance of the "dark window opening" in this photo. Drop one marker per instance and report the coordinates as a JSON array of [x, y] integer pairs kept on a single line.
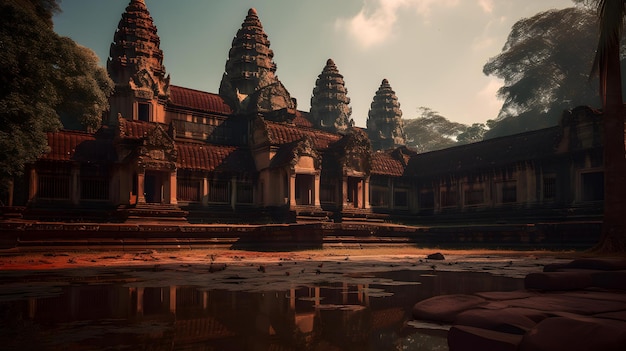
[[592, 186], [549, 188], [143, 112]]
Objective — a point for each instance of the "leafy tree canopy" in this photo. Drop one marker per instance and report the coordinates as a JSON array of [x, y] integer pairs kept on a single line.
[[43, 77], [545, 66], [432, 131]]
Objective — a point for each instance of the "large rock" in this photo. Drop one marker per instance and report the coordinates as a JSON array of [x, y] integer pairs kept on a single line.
[[445, 308], [436, 256], [461, 337], [551, 281], [551, 302], [510, 320], [575, 334]]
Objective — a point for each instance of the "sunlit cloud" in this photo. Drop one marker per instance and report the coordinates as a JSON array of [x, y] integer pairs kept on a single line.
[[486, 5], [377, 19]]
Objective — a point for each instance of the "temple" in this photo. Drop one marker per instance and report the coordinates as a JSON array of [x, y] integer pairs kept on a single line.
[[248, 154]]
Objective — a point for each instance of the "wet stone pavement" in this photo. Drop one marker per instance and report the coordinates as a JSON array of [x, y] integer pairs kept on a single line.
[[168, 301]]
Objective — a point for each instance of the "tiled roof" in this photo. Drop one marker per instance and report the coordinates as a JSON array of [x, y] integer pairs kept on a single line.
[[383, 163], [78, 146], [209, 157], [302, 119], [198, 100], [486, 154], [138, 129], [280, 133]]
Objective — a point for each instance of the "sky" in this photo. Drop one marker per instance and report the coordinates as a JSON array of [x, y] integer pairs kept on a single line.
[[431, 51]]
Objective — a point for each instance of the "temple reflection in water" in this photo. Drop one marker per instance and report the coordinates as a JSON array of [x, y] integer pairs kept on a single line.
[[96, 314]]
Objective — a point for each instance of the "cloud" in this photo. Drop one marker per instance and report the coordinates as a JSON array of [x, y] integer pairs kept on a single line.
[[486, 5], [377, 19]]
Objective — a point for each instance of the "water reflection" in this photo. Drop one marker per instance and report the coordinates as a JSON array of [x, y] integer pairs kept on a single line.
[[326, 316]]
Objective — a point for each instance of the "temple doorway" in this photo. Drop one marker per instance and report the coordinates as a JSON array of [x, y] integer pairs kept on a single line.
[[354, 191], [304, 189], [154, 187]]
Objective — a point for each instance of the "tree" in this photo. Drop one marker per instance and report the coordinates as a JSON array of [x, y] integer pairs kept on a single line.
[[431, 131], [473, 133], [607, 66], [544, 65], [42, 77]]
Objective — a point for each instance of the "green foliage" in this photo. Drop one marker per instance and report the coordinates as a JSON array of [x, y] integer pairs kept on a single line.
[[431, 131], [472, 134], [545, 64], [42, 76]]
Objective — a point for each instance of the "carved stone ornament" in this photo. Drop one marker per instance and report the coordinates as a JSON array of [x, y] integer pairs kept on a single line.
[[357, 152], [304, 147], [157, 151]]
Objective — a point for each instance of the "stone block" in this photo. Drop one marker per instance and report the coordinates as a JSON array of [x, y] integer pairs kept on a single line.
[[575, 334], [445, 308], [510, 320]]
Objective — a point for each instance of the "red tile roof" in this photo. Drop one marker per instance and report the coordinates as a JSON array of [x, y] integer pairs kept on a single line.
[[280, 133], [209, 157], [198, 100], [384, 163], [78, 146], [302, 119], [137, 129]]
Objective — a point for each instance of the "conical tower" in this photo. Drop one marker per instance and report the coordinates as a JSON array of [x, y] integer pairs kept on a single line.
[[330, 108], [249, 82], [136, 66], [384, 122]]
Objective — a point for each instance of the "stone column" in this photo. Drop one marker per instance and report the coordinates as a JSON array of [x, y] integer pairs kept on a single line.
[[32, 185], [141, 198], [292, 190], [366, 193], [140, 292], [233, 192], [205, 191], [75, 185], [316, 190], [173, 299], [344, 191], [173, 189]]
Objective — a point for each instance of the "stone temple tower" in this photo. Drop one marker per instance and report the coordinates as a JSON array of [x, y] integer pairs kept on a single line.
[[330, 108], [135, 65], [249, 82], [384, 122]]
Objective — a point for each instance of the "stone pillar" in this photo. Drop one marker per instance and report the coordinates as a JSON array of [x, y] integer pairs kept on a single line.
[[32, 184], [233, 192], [205, 191], [75, 185], [140, 292], [173, 299], [316, 190], [344, 191], [366, 193], [173, 189], [292, 190], [141, 198]]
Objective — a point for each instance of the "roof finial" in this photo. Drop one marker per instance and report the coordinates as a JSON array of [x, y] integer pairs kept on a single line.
[[252, 12]]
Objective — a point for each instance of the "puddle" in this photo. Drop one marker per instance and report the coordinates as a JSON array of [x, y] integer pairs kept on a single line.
[[164, 309]]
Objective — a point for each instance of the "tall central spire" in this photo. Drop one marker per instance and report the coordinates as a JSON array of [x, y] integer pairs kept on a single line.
[[249, 81], [136, 61]]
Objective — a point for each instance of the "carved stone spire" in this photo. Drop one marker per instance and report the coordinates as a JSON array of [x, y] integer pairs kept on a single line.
[[249, 81], [135, 60], [330, 108], [384, 122]]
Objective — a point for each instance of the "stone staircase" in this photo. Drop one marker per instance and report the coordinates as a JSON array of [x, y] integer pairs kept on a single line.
[[153, 212]]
